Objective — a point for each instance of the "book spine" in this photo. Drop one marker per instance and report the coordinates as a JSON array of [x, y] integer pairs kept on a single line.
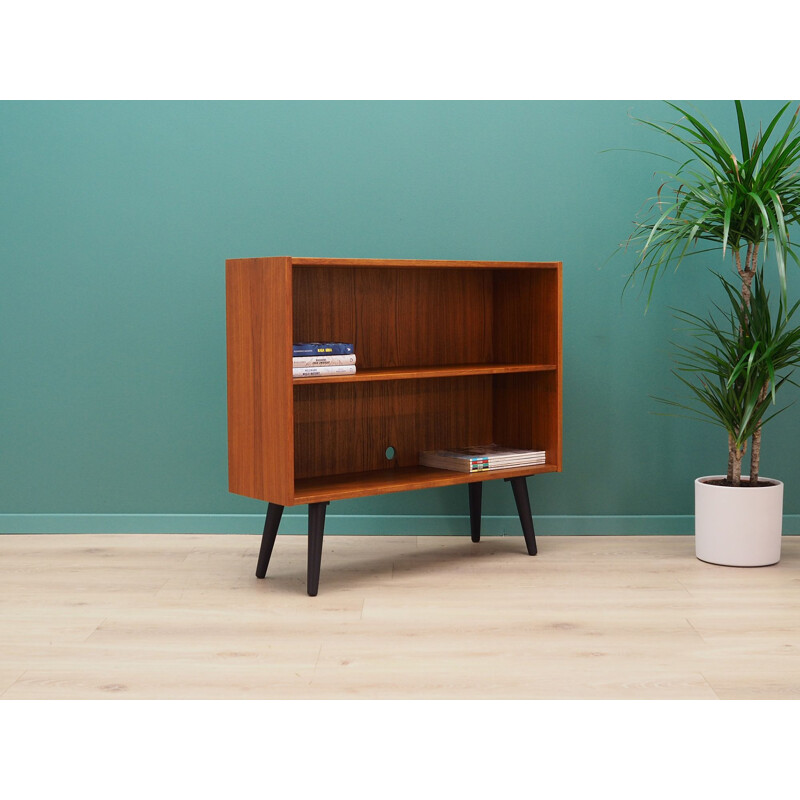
[[322, 361], [310, 372], [322, 349]]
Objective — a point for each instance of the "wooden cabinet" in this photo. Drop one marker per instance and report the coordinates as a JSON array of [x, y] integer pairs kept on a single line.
[[449, 354]]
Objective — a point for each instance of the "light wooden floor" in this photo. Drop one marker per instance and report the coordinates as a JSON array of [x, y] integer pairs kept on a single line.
[[183, 616]]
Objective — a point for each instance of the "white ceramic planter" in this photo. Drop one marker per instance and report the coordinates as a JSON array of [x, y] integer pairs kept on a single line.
[[738, 526]]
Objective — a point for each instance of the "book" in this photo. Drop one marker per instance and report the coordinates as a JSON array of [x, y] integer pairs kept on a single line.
[[322, 361], [322, 349], [481, 458], [311, 372]]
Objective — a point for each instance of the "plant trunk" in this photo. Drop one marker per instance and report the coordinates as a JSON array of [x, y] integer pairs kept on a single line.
[[755, 452], [731, 448], [746, 274], [755, 456], [736, 455]]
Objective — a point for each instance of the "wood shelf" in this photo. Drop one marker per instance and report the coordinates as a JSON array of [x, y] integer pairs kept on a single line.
[[413, 373], [388, 263], [401, 479]]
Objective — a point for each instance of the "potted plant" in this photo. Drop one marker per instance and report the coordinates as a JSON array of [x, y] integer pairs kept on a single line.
[[737, 362], [744, 206]]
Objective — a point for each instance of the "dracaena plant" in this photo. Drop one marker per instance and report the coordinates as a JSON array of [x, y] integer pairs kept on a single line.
[[741, 204], [736, 364]]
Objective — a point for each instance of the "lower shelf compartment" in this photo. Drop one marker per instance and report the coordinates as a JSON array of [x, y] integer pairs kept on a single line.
[[400, 479]]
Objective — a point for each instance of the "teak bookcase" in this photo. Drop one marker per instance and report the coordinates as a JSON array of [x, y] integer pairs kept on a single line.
[[448, 354]]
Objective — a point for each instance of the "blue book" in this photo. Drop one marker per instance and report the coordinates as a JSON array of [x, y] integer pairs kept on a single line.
[[321, 349]]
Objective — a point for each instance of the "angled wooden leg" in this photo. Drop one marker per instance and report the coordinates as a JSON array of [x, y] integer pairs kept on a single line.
[[274, 514], [524, 510], [475, 492], [316, 526]]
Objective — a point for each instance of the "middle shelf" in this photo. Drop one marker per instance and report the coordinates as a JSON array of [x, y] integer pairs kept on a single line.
[[414, 373]]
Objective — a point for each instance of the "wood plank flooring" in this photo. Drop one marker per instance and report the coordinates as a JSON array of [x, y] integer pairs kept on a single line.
[[183, 616]]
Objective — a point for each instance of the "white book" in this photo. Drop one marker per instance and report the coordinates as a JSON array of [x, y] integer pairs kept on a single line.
[[323, 361], [311, 372], [478, 459]]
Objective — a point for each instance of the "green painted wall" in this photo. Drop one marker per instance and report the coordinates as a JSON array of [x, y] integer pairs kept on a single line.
[[117, 218]]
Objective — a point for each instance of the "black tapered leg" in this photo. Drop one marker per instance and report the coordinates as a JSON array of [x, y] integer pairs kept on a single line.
[[520, 488], [475, 492], [316, 527], [273, 520]]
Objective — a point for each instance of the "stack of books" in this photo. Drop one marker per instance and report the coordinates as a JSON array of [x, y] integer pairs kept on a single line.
[[314, 359], [482, 458]]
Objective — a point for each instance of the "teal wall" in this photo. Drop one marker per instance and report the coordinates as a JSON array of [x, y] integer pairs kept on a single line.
[[117, 218]]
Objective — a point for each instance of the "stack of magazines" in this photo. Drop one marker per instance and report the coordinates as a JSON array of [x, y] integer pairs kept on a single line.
[[314, 359], [479, 459]]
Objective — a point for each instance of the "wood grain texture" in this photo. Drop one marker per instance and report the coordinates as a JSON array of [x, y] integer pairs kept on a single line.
[[527, 325], [346, 428], [402, 479], [397, 318], [411, 373], [557, 423], [449, 354], [401, 617], [527, 412], [258, 322], [382, 263]]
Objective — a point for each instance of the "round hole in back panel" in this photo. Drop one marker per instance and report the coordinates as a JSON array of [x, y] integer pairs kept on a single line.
[[390, 452]]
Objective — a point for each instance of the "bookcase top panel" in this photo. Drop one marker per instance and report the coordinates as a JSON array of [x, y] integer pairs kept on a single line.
[[419, 264]]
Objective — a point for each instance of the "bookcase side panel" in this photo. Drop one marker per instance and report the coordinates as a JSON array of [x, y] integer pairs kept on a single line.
[[558, 378], [527, 327], [527, 315], [526, 412], [546, 318], [258, 323], [546, 420], [512, 328], [512, 412]]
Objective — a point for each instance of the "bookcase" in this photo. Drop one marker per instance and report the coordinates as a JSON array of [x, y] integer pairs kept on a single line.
[[449, 354]]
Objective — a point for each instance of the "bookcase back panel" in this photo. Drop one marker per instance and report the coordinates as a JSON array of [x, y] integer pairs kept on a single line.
[[347, 427], [397, 317]]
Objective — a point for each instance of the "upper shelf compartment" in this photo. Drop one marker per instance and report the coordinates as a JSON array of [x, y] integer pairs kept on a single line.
[[407, 318]]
